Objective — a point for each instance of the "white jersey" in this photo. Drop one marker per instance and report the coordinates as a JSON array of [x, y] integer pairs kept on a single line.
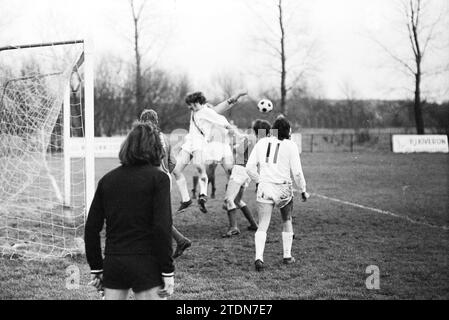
[[207, 124], [276, 160], [195, 140], [194, 133]]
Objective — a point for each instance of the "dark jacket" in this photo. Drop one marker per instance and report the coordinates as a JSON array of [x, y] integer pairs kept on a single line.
[[169, 161], [135, 202]]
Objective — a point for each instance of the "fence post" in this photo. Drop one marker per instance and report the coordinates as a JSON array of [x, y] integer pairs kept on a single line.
[[352, 142], [311, 143], [391, 142]]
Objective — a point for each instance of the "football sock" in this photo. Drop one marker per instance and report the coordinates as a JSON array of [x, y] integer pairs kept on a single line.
[[195, 183], [232, 218], [259, 239], [247, 213], [203, 184], [287, 240], [212, 183], [182, 186]]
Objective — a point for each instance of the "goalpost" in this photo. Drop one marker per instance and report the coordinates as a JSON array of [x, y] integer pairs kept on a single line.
[[46, 100]]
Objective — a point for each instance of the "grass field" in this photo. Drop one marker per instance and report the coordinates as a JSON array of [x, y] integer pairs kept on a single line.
[[335, 242]]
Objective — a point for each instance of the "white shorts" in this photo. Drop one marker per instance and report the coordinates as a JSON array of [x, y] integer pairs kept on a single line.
[[193, 145], [233, 195], [195, 148], [217, 151], [278, 194], [240, 176]]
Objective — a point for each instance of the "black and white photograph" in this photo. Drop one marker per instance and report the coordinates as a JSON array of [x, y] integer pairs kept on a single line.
[[245, 151]]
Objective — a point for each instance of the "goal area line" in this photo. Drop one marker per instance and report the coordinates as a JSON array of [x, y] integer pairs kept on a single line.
[[384, 212]]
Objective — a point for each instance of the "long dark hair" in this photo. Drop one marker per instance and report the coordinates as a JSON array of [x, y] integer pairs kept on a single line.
[[142, 146]]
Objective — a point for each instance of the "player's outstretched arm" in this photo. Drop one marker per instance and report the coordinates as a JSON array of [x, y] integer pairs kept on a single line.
[[229, 103]]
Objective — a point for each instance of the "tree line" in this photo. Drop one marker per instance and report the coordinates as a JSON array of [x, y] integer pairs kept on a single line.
[[124, 88]]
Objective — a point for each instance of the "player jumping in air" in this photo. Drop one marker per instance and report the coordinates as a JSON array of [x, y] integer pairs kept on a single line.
[[219, 151], [198, 145], [277, 158], [239, 180]]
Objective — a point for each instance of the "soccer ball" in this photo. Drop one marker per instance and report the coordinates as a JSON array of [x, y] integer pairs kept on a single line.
[[265, 106]]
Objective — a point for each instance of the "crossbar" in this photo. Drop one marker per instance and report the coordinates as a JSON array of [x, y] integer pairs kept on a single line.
[[39, 45]]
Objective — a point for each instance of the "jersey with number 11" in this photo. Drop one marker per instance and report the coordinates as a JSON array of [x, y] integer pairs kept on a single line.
[[277, 161]]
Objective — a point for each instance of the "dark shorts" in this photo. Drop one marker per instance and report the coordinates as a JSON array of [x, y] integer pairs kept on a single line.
[[136, 272]]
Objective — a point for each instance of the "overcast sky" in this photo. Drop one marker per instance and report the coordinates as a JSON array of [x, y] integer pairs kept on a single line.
[[204, 38]]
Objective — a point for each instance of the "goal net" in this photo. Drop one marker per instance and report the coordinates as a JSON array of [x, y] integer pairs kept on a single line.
[[44, 187]]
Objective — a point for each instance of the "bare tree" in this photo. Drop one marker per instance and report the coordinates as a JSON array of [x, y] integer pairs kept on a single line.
[[112, 94], [282, 56], [115, 94], [292, 49], [350, 95], [420, 26], [146, 38], [136, 16]]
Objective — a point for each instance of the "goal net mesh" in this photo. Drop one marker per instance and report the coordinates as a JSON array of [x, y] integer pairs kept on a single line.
[[42, 205]]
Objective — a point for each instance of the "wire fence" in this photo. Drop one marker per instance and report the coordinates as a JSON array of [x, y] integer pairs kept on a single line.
[[346, 142], [307, 142]]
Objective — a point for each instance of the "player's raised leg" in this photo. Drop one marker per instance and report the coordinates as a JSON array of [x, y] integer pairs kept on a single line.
[[232, 191], [210, 171], [182, 160], [199, 163], [195, 179], [203, 182]]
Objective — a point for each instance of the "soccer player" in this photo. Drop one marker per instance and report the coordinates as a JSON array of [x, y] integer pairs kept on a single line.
[[133, 201], [239, 180], [277, 158], [197, 146], [219, 150], [168, 164]]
